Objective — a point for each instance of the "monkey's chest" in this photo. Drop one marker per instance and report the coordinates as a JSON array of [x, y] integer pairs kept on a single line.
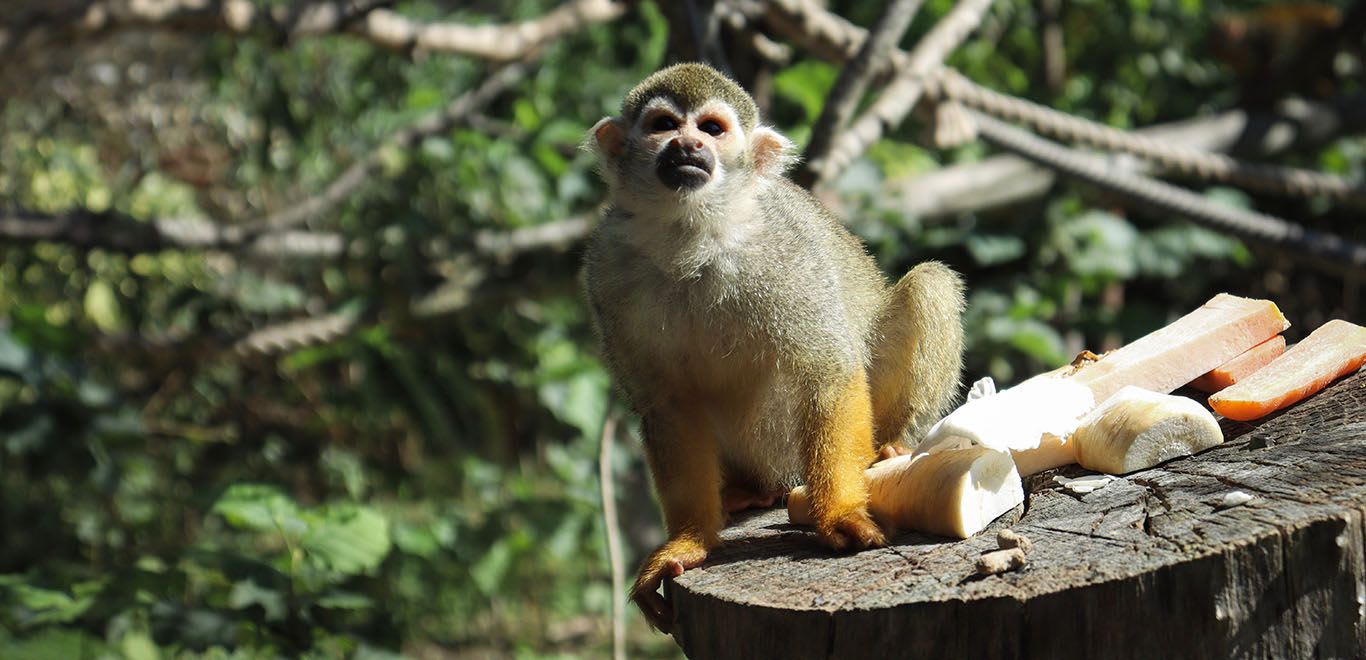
[[721, 359], [707, 350]]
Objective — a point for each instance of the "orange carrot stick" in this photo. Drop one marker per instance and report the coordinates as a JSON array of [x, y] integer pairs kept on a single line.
[[1240, 367], [1335, 349], [1170, 357]]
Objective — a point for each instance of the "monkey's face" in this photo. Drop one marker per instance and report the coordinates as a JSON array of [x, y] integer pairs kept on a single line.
[[689, 147], [673, 154]]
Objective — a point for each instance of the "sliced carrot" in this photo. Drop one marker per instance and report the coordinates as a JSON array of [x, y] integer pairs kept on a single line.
[[1240, 367], [1335, 349], [1170, 357]]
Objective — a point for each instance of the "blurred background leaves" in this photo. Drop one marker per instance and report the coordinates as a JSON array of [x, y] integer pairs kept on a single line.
[[424, 481]]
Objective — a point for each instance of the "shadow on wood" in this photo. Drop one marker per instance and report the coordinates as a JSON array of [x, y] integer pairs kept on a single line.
[[1149, 566]]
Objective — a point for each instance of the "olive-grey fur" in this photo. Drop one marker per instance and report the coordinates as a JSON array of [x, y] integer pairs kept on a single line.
[[796, 311], [753, 276], [691, 84]]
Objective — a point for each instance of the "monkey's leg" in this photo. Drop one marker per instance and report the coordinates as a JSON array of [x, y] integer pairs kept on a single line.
[[839, 445], [919, 355], [686, 467]]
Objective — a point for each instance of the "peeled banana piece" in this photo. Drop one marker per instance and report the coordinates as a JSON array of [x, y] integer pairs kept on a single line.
[[955, 492], [1032, 421], [1136, 429]]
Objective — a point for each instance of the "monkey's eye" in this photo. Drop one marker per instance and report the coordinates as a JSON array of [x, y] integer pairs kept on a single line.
[[663, 123], [712, 127]]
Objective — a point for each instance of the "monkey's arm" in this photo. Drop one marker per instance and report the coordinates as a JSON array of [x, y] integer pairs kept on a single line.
[[837, 446], [686, 467]]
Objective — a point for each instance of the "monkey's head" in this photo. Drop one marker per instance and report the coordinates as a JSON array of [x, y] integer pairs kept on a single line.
[[685, 134]]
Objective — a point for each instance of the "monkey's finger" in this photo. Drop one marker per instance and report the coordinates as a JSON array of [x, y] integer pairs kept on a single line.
[[862, 534], [892, 450], [855, 531]]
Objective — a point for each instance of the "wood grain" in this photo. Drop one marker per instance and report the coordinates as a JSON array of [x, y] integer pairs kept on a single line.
[[1149, 566]]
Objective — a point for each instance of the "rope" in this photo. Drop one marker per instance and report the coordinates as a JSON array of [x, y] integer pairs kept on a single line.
[[1191, 162], [1165, 197]]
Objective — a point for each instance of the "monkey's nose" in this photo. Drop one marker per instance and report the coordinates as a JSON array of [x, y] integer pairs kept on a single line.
[[688, 144]]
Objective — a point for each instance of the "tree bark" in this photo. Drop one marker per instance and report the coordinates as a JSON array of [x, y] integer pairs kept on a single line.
[[1152, 565]]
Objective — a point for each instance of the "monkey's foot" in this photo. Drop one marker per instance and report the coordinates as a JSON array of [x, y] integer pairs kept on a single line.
[[669, 561], [735, 499], [854, 530]]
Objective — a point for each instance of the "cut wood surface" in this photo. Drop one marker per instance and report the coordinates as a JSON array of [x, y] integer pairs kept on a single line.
[[1150, 566]]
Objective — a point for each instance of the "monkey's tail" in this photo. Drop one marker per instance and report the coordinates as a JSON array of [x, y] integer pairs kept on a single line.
[[918, 353]]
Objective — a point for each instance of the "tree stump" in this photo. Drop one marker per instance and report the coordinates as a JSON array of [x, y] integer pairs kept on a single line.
[[1150, 566]]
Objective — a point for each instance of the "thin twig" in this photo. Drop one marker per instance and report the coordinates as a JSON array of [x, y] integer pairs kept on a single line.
[[557, 235], [361, 172], [293, 335], [612, 525]]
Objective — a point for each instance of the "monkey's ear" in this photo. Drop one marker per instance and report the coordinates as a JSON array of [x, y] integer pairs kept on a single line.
[[608, 136], [773, 153]]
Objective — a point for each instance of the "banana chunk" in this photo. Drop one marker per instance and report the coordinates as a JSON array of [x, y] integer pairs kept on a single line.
[[955, 492], [1136, 429]]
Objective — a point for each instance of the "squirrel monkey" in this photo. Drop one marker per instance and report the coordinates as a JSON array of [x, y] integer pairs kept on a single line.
[[752, 333]]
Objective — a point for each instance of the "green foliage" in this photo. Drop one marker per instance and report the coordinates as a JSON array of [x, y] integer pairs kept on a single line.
[[428, 486]]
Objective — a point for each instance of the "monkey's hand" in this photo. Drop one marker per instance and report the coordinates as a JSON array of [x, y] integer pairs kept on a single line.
[[669, 561], [853, 529]]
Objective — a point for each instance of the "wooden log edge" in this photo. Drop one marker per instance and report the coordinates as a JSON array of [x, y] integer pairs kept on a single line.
[[1151, 566]]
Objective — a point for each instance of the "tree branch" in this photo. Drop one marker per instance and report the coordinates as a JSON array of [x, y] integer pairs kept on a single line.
[[366, 19], [1169, 156], [832, 37], [901, 96], [1002, 181], [851, 84], [120, 233], [1326, 250], [361, 172], [560, 235]]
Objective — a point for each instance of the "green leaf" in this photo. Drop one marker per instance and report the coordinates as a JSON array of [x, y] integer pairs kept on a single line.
[[992, 249], [1098, 244], [259, 508], [423, 539], [423, 98], [344, 600], [139, 646], [49, 643], [525, 115], [31, 437], [347, 538], [14, 357], [807, 84], [1029, 336], [490, 570], [42, 606], [1039, 341], [102, 307], [247, 593]]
